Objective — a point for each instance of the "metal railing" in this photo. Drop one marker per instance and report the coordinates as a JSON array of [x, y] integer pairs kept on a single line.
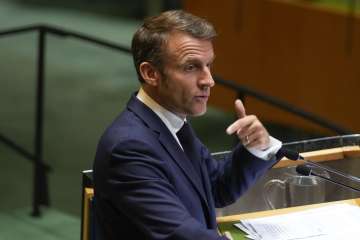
[[40, 183]]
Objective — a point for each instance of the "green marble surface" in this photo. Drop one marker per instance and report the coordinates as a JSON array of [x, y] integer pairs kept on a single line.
[[236, 233]]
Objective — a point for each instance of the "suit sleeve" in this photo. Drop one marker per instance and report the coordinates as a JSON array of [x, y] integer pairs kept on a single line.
[[138, 182], [231, 177]]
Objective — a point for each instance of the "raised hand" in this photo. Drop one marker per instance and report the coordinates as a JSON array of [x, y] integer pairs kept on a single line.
[[249, 129]]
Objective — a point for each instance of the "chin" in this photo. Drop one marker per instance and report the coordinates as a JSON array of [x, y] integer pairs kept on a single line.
[[198, 113]]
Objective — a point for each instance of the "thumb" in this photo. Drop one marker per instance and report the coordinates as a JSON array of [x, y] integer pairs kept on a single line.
[[239, 108]]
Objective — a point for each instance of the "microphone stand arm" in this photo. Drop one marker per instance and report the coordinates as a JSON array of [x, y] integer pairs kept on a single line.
[[334, 182], [321, 166]]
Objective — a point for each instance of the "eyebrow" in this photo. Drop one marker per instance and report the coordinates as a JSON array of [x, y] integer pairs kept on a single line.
[[195, 59]]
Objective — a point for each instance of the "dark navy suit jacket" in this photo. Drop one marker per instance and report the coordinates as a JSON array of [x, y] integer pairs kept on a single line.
[[146, 188]]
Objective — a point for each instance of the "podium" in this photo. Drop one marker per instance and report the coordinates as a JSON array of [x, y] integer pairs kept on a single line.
[[340, 152]]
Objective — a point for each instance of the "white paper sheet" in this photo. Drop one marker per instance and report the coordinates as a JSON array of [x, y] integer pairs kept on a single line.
[[338, 221]]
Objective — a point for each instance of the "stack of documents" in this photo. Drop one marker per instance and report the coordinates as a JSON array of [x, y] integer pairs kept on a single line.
[[338, 221]]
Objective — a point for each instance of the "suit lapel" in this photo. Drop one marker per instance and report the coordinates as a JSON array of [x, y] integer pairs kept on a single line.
[[207, 187], [183, 162], [169, 143]]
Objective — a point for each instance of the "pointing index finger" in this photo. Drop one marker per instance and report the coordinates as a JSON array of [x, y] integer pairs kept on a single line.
[[240, 109], [240, 112]]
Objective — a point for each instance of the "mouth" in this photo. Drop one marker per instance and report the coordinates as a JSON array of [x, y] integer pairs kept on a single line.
[[202, 97]]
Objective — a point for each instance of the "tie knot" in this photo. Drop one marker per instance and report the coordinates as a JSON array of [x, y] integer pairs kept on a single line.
[[184, 134]]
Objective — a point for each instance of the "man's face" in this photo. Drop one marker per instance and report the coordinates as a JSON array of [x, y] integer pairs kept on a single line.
[[184, 87]]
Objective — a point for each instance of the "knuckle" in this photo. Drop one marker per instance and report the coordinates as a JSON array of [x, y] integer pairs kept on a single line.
[[253, 117]]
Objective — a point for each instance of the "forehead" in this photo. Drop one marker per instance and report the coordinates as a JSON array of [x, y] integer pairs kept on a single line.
[[183, 46]]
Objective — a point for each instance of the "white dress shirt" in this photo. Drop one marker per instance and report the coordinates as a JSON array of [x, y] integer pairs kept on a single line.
[[172, 121]]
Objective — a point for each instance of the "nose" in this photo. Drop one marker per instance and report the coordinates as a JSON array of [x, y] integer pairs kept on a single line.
[[206, 78]]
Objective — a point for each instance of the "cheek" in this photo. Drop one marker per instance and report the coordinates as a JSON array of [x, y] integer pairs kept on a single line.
[[180, 87], [186, 93]]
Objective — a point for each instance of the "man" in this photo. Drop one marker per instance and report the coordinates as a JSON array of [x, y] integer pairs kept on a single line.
[[153, 177]]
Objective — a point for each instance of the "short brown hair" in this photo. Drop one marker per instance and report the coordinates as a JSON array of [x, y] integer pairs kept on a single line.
[[149, 40]]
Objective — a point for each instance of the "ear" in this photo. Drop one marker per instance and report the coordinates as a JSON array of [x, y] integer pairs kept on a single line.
[[149, 73]]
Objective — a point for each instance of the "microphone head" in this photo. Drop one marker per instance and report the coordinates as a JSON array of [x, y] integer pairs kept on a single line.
[[303, 170], [290, 154]]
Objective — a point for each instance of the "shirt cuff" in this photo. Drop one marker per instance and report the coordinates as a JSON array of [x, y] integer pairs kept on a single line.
[[268, 153]]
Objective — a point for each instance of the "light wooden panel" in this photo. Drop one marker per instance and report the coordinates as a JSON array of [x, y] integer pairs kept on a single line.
[[281, 211], [88, 194]]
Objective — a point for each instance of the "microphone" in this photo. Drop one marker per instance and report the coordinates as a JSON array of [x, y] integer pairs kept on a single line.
[[293, 155], [307, 171], [290, 154]]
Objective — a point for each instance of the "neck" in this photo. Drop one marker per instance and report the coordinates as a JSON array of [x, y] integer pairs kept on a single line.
[[151, 92]]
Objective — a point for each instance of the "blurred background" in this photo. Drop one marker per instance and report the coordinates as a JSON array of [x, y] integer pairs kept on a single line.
[[295, 63]]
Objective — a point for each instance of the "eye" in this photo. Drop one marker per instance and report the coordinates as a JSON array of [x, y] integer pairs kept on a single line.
[[190, 67]]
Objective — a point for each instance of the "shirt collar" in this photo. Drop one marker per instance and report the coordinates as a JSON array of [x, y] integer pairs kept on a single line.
[[171, 120]]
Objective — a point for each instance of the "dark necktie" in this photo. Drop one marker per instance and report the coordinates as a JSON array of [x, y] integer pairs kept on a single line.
[[187, 141]]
